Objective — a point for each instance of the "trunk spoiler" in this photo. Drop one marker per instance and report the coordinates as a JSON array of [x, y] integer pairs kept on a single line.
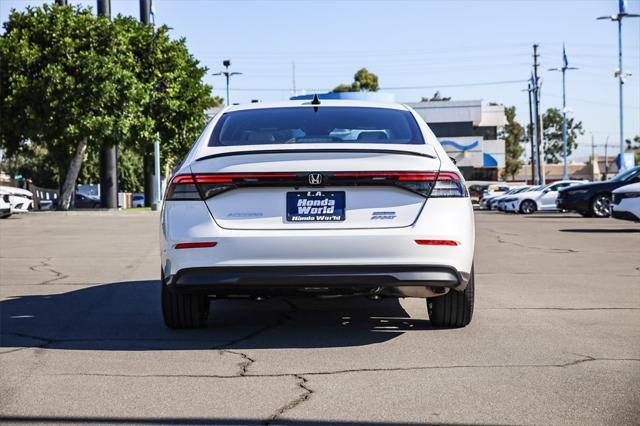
[[294, 151]]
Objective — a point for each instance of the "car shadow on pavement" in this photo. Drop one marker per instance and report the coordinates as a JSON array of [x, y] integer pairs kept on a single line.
[[126, 316], [603, 230]]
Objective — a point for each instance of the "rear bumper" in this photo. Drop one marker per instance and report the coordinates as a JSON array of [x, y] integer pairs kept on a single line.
[[624, 215], [573, 203], [404, 280]]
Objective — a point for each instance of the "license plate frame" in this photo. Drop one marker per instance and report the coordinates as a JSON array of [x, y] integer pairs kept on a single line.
[[316, 206]]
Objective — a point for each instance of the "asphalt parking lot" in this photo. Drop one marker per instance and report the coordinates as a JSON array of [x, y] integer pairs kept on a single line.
[[555, 337]]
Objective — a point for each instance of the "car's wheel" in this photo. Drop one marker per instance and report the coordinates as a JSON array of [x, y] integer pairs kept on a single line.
[[527, 207], [183, 310], [454, 309], [601, 205]]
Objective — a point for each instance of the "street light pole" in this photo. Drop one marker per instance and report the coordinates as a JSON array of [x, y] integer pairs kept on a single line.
[[620, 74], [531, 132], [148, 165], [563, 70], [227, 74], [109, 152]]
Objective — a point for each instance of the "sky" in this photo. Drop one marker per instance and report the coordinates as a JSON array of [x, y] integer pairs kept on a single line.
[[415, 48]]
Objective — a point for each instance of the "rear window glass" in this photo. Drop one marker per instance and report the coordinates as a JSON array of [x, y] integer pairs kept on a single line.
[[323, 125]]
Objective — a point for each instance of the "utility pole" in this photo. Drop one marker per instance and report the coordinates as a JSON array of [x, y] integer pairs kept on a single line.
[[226, 63], [534, 168], [148, 163], [619, 73], [563, 69], [606, 159], [538, 117], [61, 2], [109, 153]]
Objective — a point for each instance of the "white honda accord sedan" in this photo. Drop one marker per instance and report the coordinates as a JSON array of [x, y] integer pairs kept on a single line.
[[317, 198]]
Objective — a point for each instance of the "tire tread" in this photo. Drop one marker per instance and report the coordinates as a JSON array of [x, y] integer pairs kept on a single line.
[[453, 310], [183, 310]]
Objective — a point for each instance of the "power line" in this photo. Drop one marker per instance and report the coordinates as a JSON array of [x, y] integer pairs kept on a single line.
[[437, 86], [433, 86]]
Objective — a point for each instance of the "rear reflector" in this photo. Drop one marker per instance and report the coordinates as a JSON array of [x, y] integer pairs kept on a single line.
[[437, 242], [195, 245]]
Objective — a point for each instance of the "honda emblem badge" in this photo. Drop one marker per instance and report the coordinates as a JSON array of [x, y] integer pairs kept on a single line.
[[315, 179]]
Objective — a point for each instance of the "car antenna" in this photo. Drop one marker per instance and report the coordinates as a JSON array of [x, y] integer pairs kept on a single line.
[[315, 102]]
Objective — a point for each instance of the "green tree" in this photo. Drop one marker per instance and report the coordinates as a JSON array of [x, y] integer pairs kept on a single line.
[[437, 97], [552, 125], [343, 88], [363, 81], [71, 82], [172, 77], [67, 80], [514, 135]]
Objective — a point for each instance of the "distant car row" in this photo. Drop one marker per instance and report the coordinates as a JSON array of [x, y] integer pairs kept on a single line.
[[17, 200], [14, 200], [619, 197]]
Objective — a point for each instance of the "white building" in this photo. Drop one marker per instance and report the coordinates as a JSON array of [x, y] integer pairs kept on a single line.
[[470, 133]]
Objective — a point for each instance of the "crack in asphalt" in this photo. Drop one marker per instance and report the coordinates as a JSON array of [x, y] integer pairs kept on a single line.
[[538, 274], [301, 378], [247, 360], [304, 396], [559, 309], [501, 240], [583, 360], [47, 268], [244, 365]]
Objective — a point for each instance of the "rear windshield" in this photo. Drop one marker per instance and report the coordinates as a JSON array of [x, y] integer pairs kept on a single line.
[[320, 125]]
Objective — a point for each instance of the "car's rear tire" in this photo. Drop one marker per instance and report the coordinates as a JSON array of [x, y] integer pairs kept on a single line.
[[601, 205], [454, 309], [528, 207], [183, 310]]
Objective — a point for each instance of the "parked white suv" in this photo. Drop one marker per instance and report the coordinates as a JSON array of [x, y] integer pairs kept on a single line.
[[21, 199], [317, 198]]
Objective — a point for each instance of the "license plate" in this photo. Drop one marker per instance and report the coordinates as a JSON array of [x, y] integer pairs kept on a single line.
[[315, 206]]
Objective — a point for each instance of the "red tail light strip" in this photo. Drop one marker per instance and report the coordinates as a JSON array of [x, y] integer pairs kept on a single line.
[[400, 175], [183, 179], [195, 245], [403, 176], [437, 242], [211, 184], [229, 177]]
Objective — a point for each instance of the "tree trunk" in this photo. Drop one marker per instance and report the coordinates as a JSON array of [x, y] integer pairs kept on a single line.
[[72, 175]]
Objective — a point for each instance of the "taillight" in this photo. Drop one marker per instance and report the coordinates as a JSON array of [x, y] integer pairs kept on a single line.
[[206, 185], [449, 184], [211, 184], [429, 184], [183, 187]]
